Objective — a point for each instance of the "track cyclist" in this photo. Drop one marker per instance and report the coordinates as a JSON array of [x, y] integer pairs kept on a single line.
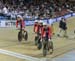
[[20, 22], [47, 34], [20, 25]]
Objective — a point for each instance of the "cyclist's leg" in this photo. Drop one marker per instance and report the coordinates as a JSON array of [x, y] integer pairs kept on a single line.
[[39, 40], [36, 35], [46, 43], [60, 30], [43, 42], [65, 33], [24, 30], [25, 34], [36, 38], [49, 45]]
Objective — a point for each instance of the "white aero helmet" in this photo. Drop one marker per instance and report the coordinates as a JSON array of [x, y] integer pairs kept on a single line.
[[19, 16], [40, 21], [36, 20], [44, 23]]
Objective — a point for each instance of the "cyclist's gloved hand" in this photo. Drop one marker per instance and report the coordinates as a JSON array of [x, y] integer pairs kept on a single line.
[[23, 28], [49, 39], [41, 40]]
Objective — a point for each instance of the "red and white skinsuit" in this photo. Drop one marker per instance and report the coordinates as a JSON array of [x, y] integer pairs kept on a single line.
[[20, 24], [35, 27], [38, 28], [46, 32]]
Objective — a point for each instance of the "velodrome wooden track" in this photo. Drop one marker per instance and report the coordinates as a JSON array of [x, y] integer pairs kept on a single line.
[[8, 41]]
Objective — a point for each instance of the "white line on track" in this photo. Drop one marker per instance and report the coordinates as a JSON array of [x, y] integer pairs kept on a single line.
[[18, 55]]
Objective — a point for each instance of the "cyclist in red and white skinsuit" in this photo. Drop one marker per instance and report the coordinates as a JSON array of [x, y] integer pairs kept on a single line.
[[35, 29], [46, 32], [38, 29], [20, 23], [38, 26]]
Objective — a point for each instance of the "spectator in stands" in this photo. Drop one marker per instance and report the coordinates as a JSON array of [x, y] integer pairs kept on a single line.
[[31, 10], [5, 10]]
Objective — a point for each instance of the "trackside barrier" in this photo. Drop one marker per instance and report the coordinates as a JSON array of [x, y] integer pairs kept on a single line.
[[3, 23], [51, 21]]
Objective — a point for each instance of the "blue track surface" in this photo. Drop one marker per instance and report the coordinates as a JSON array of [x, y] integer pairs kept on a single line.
[[70, 56]]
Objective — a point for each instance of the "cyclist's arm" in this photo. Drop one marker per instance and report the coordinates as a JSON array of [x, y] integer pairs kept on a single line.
[[23, 24], [16, 24], [42, 33], [34, 28], [50, 32]]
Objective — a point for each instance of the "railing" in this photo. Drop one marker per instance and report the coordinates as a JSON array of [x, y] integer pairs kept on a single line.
[[8, 23]]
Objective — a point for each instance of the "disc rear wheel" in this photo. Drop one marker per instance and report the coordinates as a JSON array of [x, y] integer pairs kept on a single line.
[[20, 36]]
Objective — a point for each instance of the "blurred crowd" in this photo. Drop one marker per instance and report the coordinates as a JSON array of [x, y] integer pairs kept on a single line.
[[31, 10]]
